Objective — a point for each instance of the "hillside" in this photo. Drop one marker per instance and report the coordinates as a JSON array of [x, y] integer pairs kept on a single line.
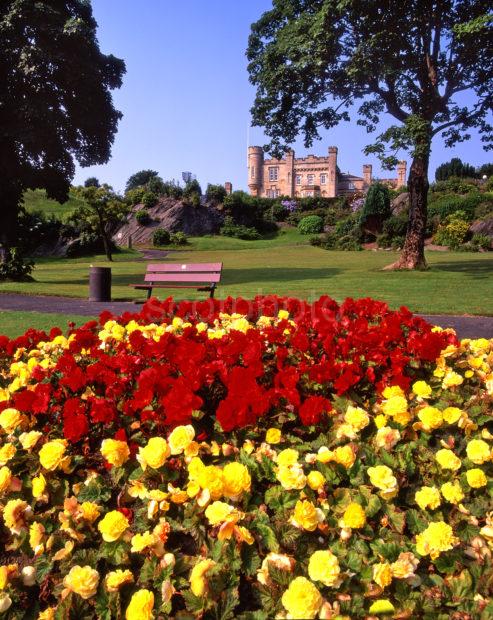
[[36, 200]]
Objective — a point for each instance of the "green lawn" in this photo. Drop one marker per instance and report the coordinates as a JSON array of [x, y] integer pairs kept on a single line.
[[456, 283], [36, 200], [16, 323]]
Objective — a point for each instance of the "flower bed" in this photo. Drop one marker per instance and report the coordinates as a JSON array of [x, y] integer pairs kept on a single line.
[[247, 458]]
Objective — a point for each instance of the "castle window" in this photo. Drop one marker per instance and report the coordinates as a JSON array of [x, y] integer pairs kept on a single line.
[[310, 179], [273, 173], [351, 185], [298, 179], [323, 179]]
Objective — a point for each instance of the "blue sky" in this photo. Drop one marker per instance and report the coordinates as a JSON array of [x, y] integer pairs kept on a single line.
[[186, 96]]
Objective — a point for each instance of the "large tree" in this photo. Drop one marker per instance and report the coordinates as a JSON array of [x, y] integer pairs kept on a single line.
[[314, 62], [55, 100]]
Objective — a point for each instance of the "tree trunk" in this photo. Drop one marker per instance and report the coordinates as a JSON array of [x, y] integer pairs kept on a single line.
[[106, 241], [10, 198], [413, 255]]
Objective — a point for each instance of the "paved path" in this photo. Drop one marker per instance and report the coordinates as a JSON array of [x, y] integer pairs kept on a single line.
[[465, 326]]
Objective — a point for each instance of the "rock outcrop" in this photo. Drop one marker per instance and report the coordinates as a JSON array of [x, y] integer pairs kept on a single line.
[[172, 215], [400, 203]]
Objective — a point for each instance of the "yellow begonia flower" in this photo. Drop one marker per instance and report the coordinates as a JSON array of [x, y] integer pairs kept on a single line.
[[392, 390], [30, 439], [140, 542], [447, 459], [36, 536], [431, 418], [405, 565], [198, 581], [287, 457], [90, 511], [382, 606], [273, 435], [14, 515], [382, 574], [83, 580], [428, 497], [180, 439], [38, 486], [478, 451], [10, 419], [154, 454], [345, 456], [422, 389], [315, 479], [302, 599], [52, 455], [117, 578], [354, 517], [218, 512], [291, 477], [382, 477], [451, 379], [476, 478], [5, 479], [7, 452], [211, 479], [236, 480], [137, 489], [380, 421], [437, 537], [452, 492], [116, 452], [324, 566], [113, 525], [451, 414], [306, 516], [356, 417], [140, 606]]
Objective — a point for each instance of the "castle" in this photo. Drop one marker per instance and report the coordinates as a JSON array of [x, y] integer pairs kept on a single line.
[[308, 176]]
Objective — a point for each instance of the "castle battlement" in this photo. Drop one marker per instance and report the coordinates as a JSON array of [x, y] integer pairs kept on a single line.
[[312, 175]]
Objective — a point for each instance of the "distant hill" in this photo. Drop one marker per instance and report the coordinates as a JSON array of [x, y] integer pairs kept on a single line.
[[36, 200]]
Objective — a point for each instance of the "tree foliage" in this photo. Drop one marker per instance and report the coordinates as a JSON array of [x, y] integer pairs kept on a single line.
[[315, 61], [141, 179], [455, 168], [92, 182], [377, 204], [55, 100], [102, 211]]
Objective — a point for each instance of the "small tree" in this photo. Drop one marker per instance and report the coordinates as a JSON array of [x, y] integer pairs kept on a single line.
[[141, 178], [455, 168], [313, 60], [485, 170], [91, 182], [216, 193], [376, 208], [102, 211]]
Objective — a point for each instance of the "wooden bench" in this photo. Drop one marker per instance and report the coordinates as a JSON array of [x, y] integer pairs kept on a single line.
[[181, 275]]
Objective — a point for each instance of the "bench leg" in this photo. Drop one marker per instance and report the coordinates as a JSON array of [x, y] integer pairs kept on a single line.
[[211, 295], [149, 292]]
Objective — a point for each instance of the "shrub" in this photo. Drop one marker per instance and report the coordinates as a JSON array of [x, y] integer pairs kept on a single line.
[[455, 168], [161, 237], [311, 225], [192, 187], [348, 243], [134, 196], [395, 226], [481, 242], [15, 267], [238, 231], [178, 238], [330, 217], [448, 205], [455, 185], [215, 193], [377, 205], [142, 217], [149, 199], [347, 225], [279, 212], [452, 232], [173, 189]]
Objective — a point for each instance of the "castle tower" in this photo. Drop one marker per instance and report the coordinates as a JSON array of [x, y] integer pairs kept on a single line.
[[255, 169], [290, 172], [228, 186], [401, 173], [332, 185], [367, 172]]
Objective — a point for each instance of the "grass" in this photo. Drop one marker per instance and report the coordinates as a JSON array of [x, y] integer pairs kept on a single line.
[[36, 200], [14, 324], [456, 283]]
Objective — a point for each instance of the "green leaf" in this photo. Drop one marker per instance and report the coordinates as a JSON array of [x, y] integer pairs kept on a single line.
[[226, 606], [251, 561], [267, 534], [373, 506], [354, 561], [43, 565], [279, 499], [414, 521], [148, 570], [193, 603], [115, 553], [461, 586], [397, 518], [96, 491], [101, 604], [448, 562]]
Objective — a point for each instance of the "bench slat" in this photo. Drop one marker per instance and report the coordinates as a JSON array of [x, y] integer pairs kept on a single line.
[[199, 287], [182, 277], [184, 267]]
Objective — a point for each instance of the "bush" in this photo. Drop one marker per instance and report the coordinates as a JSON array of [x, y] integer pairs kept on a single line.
[[330, 217], [448, 205], [455, 168], [161, 237], [134, 196], [142, 217], [348, 243], [455, 185], [149, 199], [347, 225], [395, 226], [452, 232], [15, 267], [172, 189], [311, 225], [377, 205], [215, 193], [238, 231], [192, 187], [481, 242], [279, 212], [178, 238]]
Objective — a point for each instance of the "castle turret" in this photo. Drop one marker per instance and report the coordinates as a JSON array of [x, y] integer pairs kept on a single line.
[[228, 186], [401, 173], [332, 185], [255, 169], [367, 173]]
